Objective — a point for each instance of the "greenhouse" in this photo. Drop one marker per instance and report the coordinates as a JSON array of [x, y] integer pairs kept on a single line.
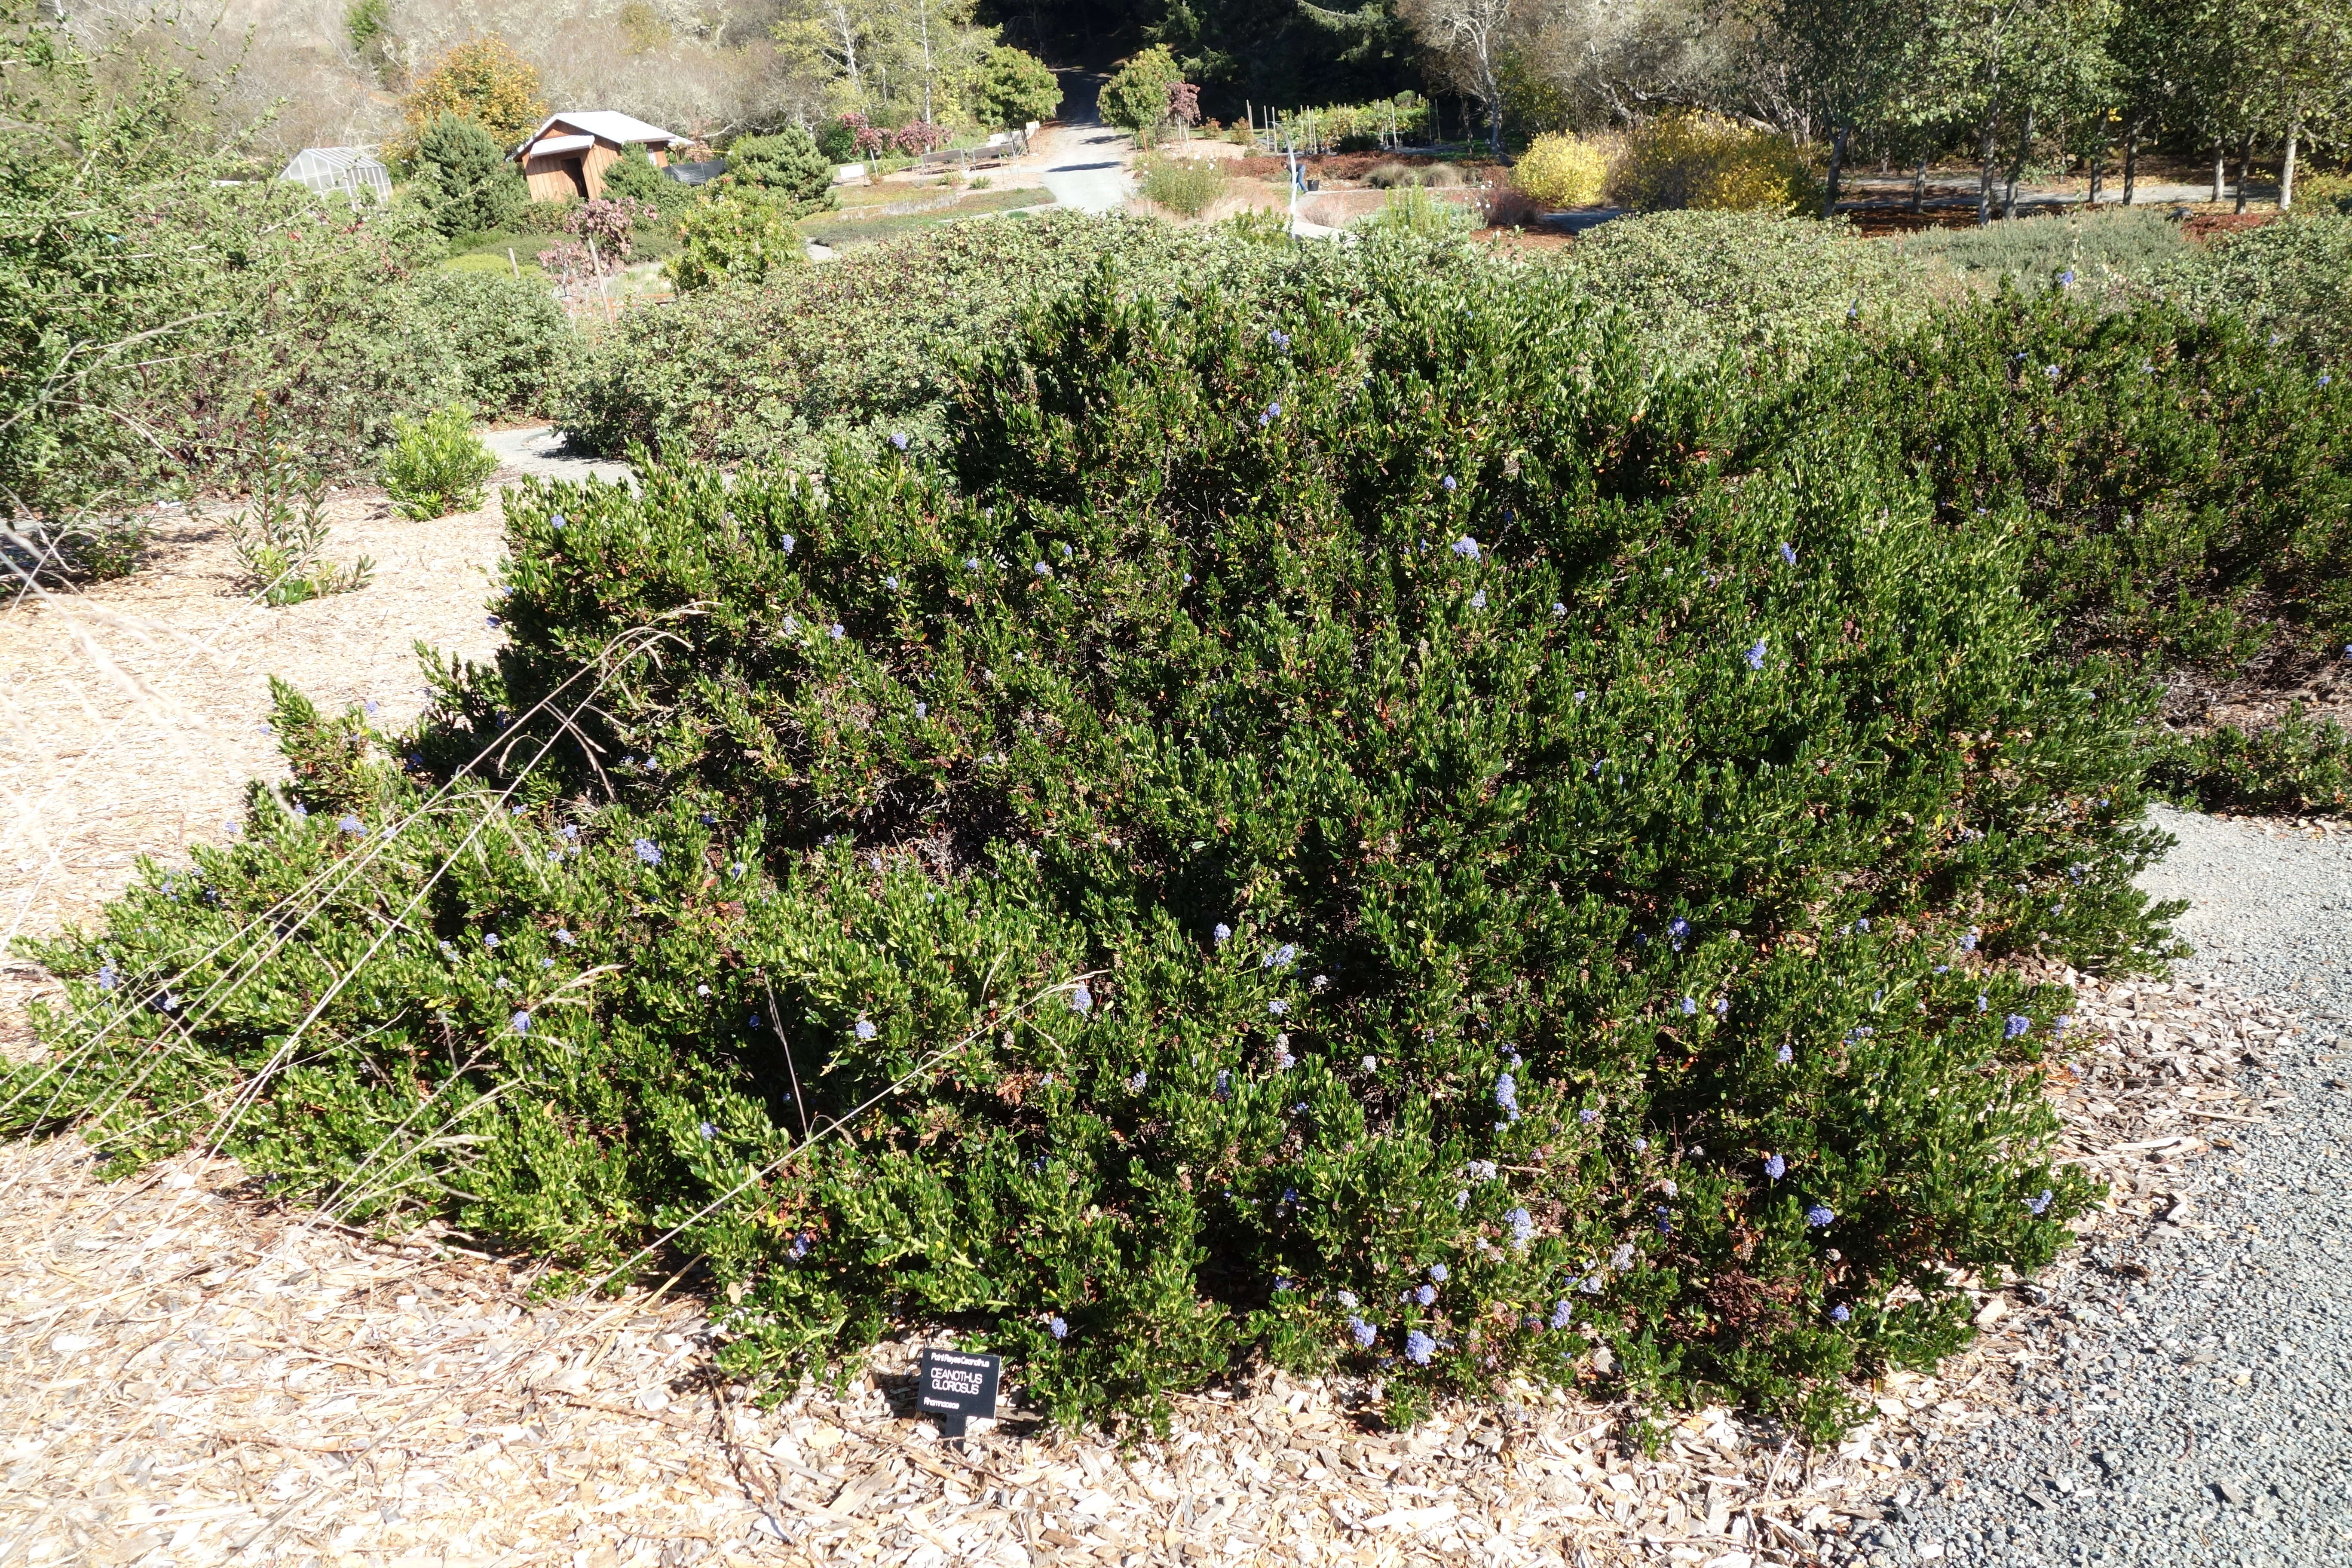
[[347, 169]]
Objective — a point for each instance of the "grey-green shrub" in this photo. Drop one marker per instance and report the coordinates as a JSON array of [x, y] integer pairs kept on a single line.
[[1185, 186], [2104, 247], [2292, 278], [1700, 284]]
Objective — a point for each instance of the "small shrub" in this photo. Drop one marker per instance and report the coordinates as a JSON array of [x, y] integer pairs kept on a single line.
[[1257, 227], [1440, 177], [1389, 176], [102, 549], [1507, 206], [279, 536], [511, 346], [464, 181], [436, 465], [635, 178], [1185, 186], [2299, 766], [1563, 171], [1685, 160]]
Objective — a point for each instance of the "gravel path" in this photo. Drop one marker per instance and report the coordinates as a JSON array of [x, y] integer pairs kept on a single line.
[[2202, 1414]]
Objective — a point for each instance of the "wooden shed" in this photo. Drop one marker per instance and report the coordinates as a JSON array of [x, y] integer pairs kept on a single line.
[[568, 155]]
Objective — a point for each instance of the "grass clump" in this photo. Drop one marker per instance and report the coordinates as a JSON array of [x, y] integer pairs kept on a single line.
[[1357, 840], [436, 465]]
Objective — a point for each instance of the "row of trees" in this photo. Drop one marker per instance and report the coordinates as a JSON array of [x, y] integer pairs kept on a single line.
[[926, 61], [2013, 81]]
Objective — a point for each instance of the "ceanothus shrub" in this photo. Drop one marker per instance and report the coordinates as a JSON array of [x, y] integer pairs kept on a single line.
[[1359, 848]]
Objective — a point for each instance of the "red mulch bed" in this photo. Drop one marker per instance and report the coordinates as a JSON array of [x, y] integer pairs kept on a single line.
[[2204, 227], [1877, 222]]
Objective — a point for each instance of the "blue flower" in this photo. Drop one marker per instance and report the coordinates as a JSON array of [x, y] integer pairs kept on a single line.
[[2067, 278], [1041, 569], [1135, 1085], [491, 622], [647, 851], [1591, 1285], [898, 439], [922, 709], [1081, 999], [1365, 1333], [1346, 1299], [1057, 1327], [1478, 600], [1523, 1227], [107, 976], [2051, 370], [2039, 1203], [891, 582], [865, 1030], [1786, 1055], [566, 937], [1226, 1087], [1819, 1215], [1425, 1295], [2015, 1025], [1507, 1094], [1438, 1272], [1419, 1347], [352, 824], [1224, 933], [1559, 611], [972, 563], [1465, 546], [1755, 654], [801, 1244], [557, 520], [1722, 1006], [1273, 412], [1690, 1006], [1787, 554], [1563, 1314], [1279, 338], [1981, 1003], [1588, 1116], [707, 1132], [522, 1022], [1775, 1167], [491, 942], [835, 631], [788, 541], [1277, 1006], [1840, 1313], [1968, 942]]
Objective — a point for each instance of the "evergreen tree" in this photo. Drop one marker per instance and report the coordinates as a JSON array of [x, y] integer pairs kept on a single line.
[[788, 167], [465, 181]]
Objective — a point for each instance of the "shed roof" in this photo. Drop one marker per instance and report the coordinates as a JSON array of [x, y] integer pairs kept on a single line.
[[549, 144], [606, 125]]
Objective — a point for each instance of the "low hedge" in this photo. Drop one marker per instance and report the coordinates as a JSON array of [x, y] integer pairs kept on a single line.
[[1363, 842]]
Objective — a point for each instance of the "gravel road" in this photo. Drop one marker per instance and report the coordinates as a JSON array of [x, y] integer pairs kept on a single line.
[[2203, 1413]]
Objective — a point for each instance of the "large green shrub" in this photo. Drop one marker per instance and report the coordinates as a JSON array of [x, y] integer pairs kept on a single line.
[[1347, 840], [2296, 765], [436, 465], [1136, 96]]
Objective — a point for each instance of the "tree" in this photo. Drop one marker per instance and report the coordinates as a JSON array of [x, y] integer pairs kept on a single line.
[[788, 166], [465, 181], [1994, 64], [2305, 48], [1010, 87], [1847, 60], [1468, 38], [1137, 97], [483, 81]]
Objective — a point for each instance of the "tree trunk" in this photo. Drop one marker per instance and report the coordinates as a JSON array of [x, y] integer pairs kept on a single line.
[[2017, 166], [1984, 175], [2131, 161], [2220, 169], [2098, 167], [1837, 163], [2286, 167], [2245, 157], [1919, 185]]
